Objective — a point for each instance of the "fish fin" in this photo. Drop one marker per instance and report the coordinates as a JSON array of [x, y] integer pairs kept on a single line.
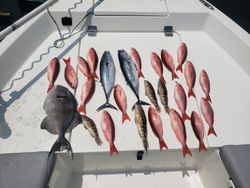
[[140, 74], [145, 145], [157, 107], [106, 105], [185, 150], [202, 147], [208, 98], [166, 109], [185, 117], [125, 117], [174, 76], [211, 131], [76, 121], [139, 102], [179, 68], [82, 108], [47, 124], [113, 149], [163, 80], [94, 75], [191, 93], [61, 144], [66, 61], [162, 144], [98, 141], [50, 87]]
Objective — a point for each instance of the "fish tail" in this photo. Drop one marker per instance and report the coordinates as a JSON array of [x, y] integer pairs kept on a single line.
[[113, 149], [158, 108], [50, 87], [145, 145], [82, 108], [185, 150], [139, 102], [106, 105], [211, 131], [125, 117], [202, 147], [61, 144], [166, 109], [163, 80], [140, 74], [185, 117], [174, 76], [66, 61], [162, 144], [98, 141], [94, 75], [208, 98], [179, 68], [191, 93]]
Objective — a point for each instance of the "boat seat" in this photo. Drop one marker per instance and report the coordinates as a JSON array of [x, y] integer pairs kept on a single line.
[[26, 170], [236, 160]]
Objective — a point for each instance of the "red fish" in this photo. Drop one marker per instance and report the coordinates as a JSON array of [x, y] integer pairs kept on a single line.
[[157, 65], [208, 114], [181, 55], [178, 127], [137, 61], [190, 76], [52, 72], [88, 90], [92, 60], [181, 100], [121, 101], [108, 129], [205, 84], [156, 125], [70, 74], [198, 129], [168, 61], [83, 66]]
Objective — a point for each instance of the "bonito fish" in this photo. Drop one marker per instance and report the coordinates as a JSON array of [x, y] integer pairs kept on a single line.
[[130, 75], [107, 72], [137, 61], [141, 123], [89, 124], [52, 72], [92, 60], [163, 94], [60, 106], [181, 55], [150, 93], [70, 74]]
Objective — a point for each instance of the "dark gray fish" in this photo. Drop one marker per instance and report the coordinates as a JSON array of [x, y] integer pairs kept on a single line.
[[163, 94], [130, 74], [150, 93], [107, 74], [60, 106]]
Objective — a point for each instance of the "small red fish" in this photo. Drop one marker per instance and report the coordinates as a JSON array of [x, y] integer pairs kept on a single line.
[[208, 114], [205, 84], [178, 127], [70, 74], [198, 129], [181, 55], [156, 125], [121, 101], [88, 90], [137, 61], [52, 72], [181, 100], [83, 67], [168, 61], [190, 76], [108, 129], [92, 60], [157, 65]]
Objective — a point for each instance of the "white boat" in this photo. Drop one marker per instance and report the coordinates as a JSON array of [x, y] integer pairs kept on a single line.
[[215, 43]]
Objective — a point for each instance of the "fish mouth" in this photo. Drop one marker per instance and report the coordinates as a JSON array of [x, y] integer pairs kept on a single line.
[[60, 97]]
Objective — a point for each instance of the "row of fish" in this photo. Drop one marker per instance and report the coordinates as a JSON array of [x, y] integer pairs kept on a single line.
[[131, 69]]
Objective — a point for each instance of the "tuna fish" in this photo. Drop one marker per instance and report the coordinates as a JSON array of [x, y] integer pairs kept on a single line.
[[157, 66], [181, 55], [168, 61], [137, 61], [150, 93], [70, 74], [60, 106], [52, 72], [130, 75], [163, 94], [121, 101], [190, 76], [83, 67], [107, 72], [178, 127], [156, 125], [205, 84], [108, 129], [92, 60], [141, 123], [208, 114], [198, 129]]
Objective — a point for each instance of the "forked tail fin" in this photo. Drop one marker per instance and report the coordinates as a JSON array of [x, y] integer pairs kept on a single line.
[[162, 144], [163, 80], [211, 131], [179, 68], [191, 93], [185, 150], [174, 76], [208, 98], [94, 75], [140, 74], [82, 108], [139, 102], [113, 149], [106, 105], [49, 87], [66, 61], [202, 147], [185, 117], [125, 117]]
